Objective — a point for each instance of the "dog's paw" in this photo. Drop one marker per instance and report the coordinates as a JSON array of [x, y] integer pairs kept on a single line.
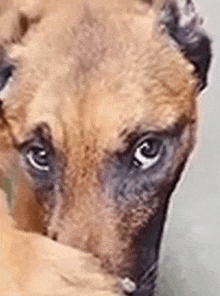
[[181, 21]]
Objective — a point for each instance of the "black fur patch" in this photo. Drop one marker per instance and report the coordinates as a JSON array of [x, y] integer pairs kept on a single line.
[[183, 24], [6, 69]]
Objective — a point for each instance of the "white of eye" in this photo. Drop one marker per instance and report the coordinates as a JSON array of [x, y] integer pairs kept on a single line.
[[146, 161], [36, 161]]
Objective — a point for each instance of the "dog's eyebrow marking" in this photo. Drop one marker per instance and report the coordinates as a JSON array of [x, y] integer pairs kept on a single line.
[[139, 131], [41, 132], [123, 133]]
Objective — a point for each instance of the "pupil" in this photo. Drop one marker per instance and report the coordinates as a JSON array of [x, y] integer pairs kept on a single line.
[[40, 156], [150, 148]]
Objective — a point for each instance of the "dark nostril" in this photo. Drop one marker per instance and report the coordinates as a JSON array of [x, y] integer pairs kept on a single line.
[[55, 236], [44, 232], [6, 70]]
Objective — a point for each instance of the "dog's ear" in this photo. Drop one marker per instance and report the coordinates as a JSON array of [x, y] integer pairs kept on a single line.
[[16, 19], [6, 70], [157, 4], [184, 27]]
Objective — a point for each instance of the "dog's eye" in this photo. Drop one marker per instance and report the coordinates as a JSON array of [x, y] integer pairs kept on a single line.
[[39, 158], [148, 153]]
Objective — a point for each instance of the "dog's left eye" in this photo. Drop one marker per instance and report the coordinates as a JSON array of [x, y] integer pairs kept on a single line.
[[148, 153], [39, 158]]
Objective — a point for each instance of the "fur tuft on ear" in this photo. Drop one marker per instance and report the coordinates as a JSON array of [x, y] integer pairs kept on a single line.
[[16, 18], [183, 24], [156, 4]]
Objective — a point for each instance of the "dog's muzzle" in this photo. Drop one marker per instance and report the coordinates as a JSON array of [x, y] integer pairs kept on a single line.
[[145, 286]]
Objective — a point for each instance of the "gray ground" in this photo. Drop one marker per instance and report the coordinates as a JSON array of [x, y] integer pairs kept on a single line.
[[190, 257]]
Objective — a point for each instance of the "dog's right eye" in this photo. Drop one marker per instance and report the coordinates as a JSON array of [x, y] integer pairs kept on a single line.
[[39, 158]]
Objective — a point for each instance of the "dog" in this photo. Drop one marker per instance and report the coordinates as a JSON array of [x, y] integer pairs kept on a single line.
[[99, 116], [31, 264]]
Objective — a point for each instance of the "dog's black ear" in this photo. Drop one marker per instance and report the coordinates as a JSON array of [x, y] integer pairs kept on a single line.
[[184, 26], [6, 69]]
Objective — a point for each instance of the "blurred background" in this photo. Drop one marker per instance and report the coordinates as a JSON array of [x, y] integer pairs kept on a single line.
[[190, 254]]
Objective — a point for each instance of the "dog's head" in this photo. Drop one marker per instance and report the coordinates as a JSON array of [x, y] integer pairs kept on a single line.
[[101, 113]]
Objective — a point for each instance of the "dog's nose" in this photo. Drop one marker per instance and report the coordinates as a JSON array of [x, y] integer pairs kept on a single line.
[[6, 69]]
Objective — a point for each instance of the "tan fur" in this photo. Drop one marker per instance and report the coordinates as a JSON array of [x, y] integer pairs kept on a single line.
[[92, 89], [34, 265]]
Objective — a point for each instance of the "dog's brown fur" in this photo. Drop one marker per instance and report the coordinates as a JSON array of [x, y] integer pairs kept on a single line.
[[34, 265], [90, 75]]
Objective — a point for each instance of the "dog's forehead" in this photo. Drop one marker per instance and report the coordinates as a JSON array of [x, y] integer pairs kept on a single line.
[[103, 113], [104, 76]]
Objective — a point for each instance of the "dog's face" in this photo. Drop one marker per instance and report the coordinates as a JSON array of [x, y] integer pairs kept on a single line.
[[101, 113]]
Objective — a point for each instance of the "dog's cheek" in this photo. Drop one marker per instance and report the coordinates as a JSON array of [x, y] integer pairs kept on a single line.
[[28, 212]]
